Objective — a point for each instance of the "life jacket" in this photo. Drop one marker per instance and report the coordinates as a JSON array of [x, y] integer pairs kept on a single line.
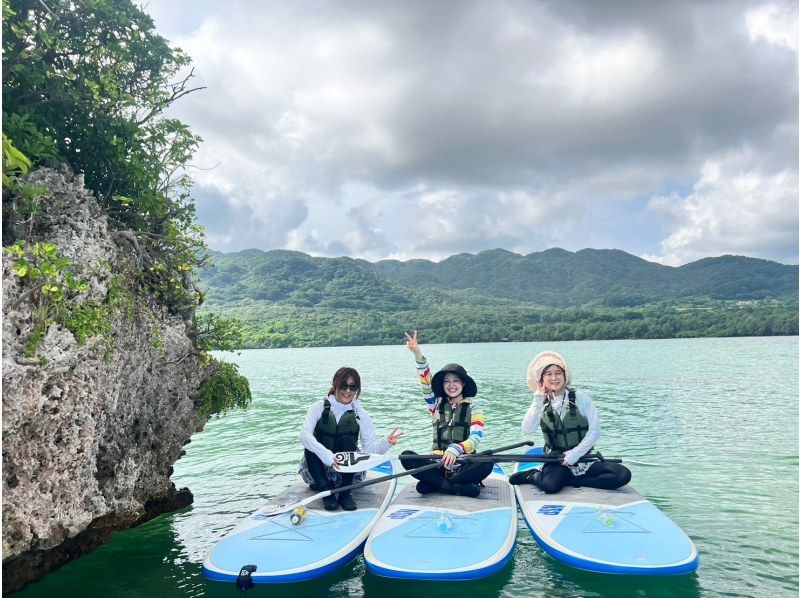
[[563, 434], [330, 433], [450, 424]]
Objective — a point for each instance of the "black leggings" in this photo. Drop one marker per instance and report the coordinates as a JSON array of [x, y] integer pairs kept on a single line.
[[317, 468], [601, 474], [470, 473]]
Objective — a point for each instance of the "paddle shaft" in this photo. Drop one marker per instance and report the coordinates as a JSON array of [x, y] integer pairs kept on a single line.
[[380, 479], [283, 509], [506, 448], [591, 458], [462, 458], [481, 457], [419, 469]]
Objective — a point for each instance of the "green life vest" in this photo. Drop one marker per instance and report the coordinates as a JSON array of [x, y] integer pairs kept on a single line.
[[450, 424], [563, 434], [330, 433]]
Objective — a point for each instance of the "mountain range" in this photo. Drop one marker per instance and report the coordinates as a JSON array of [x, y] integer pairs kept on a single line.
[[291, 298], [551, 278]]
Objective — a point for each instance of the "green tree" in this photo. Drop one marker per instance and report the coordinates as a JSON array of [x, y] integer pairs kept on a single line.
[[88, 82]]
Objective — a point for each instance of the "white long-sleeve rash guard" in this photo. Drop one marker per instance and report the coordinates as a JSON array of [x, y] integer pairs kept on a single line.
[[366, 429]]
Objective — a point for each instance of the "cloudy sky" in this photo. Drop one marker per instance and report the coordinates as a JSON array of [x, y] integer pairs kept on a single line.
[[420, 129]]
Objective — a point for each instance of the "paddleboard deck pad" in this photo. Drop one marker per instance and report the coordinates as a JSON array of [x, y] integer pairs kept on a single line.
[[444, 537], [607, 531], [283, 552]]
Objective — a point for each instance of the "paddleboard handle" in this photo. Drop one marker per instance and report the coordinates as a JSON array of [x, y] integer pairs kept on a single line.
[[605, 517], [245, 580], [444, 523], [298, 514]]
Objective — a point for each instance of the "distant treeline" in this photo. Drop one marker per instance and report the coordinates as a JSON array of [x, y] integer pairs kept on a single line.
[[270, 325], [290, 299]]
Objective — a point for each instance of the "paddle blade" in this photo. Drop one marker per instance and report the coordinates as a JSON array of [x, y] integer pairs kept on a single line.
[[353, 462]]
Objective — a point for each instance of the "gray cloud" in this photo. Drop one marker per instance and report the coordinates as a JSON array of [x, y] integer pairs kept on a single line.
[[378, 118], [232, 223]]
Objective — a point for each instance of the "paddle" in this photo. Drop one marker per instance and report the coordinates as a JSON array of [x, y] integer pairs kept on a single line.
[[277, 510], [551, 458], [635, 462], [543, 458], [354, 462], [377, 459], [501, 449]]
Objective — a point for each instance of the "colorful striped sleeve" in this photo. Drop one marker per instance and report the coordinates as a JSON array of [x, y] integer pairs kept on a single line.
[[476, 425], [424, 373]]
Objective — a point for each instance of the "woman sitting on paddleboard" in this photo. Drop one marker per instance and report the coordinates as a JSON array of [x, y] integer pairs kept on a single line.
[[332, 425], [457, 428], [570, 424]]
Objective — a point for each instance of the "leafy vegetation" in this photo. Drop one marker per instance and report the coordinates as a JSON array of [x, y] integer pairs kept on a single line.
[[14, 163], [341, 301], [87, 320], [226, 389], [265, 325], [48, 281], [87, 84], [215, 332]]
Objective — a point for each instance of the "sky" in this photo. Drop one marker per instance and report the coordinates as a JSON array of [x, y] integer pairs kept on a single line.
[[426, 128]]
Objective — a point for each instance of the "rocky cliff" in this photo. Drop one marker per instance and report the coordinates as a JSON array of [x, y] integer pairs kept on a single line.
[[91, 425]]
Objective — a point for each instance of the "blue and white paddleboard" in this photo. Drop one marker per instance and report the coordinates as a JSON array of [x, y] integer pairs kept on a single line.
[[284, 552], [443, 537], [608, 531]]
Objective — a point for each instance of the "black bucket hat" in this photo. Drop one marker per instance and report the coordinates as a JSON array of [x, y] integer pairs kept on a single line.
[[470, 388]]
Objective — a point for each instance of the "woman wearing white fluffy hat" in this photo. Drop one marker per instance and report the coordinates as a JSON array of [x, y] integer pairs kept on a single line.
[[569, 422]]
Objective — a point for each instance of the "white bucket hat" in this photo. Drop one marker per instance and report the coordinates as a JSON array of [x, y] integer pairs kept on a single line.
[[540, 363]]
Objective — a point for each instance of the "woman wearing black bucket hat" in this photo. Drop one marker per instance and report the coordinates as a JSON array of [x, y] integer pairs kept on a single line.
[[457, 428]]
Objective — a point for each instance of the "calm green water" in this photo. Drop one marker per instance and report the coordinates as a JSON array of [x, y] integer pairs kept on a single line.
[[719, 415]]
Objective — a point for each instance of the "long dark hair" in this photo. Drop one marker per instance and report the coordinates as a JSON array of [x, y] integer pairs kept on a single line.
[[341, 376]]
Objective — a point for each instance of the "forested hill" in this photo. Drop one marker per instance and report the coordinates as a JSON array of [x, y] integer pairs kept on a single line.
[[554, 278], [562, 278], [290, 298]]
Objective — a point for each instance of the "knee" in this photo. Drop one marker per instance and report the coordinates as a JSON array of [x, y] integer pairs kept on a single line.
[[624, 476], [486, 469], [410, 463], [549, 485]]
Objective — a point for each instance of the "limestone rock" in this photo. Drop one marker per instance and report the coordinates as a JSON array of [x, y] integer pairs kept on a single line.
[[90, 432]]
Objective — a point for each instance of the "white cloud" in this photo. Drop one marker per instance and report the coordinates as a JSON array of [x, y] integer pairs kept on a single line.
[[599, 73], [776, 24], [733, 208], [406, 130]]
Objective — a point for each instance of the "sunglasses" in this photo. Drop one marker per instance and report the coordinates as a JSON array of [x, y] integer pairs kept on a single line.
[[555, 374], [350, 387]]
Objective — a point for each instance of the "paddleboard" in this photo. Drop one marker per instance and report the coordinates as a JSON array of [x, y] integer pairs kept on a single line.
[[444, 537], [283, 552], [607, 531]]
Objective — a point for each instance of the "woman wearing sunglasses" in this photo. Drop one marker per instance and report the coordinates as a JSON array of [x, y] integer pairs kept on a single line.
[[335, 424], [457, 428], [571, 427]]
